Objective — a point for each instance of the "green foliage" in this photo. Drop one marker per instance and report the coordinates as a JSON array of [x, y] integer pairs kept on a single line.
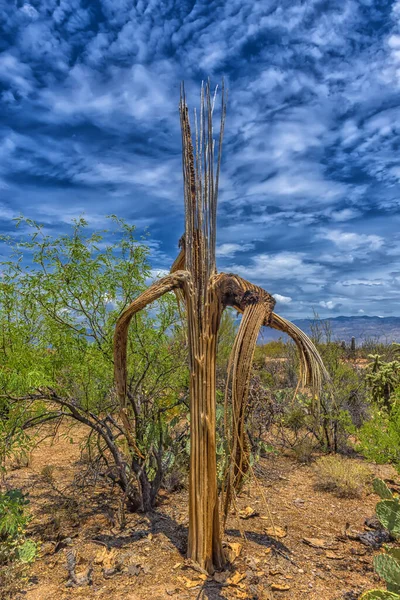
[[395, 552], [379, 595], [14, 519], [59, 301], [388, 513], [226, 338], [27, 551], [382, 489], [379, 437], [273, 349], [16, 550]]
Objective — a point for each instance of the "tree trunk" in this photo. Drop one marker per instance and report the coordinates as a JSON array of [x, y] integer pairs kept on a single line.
[[205, 539]]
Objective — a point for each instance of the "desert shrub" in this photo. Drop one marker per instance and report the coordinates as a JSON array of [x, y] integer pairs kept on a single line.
[[342, 404], [16, 549], [274, 349], [304, 450], [341, 476], [379, 438], [57, 316]]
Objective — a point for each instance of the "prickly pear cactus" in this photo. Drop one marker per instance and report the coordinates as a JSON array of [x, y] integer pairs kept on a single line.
[[388, 568], [379, 595], [395, 552], [388, 512], [382, 489]]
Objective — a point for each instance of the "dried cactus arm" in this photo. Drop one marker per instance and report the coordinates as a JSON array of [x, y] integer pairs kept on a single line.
[[313, 371], [178, 265], [171, 282], [180, 261], [257, 308], [256, 305], [239, 375]]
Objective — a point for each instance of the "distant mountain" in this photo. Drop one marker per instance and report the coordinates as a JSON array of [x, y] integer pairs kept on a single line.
[[380, 329]]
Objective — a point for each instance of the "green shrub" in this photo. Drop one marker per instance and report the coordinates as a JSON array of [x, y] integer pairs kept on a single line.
[[16, 550], [14, 519], [379, 438], [342, 476]]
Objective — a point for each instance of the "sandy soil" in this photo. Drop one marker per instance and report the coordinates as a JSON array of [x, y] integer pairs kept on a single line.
[[144, 559]]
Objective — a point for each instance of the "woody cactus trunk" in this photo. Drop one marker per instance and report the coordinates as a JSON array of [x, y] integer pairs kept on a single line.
[[206, 293]]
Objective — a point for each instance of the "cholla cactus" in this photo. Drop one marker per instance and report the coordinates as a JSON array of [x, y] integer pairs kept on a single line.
[[205, 294]]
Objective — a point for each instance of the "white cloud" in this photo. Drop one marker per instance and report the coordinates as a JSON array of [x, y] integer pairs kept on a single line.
[[329, 304], [30, 11], [284, 265], [17, 74], [346, 214], [350, 240], [367, 282], [229, 250], [282, 299]]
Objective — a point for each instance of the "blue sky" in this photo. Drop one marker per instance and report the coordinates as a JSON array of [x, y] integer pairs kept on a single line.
[[310, 188]]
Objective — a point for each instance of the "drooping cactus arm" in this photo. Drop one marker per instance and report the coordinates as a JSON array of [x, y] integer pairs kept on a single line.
[[257, 306], [237, 386], [171, 282], [313, 371]]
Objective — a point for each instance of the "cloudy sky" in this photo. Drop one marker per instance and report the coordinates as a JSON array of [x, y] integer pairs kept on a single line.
[[310, 190]]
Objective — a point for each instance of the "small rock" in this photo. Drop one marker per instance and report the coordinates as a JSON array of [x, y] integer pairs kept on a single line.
[[375, 538], [316, 542], [134, 569], [280, 587], [248, 513], [373, 523], [333, 556], [107, 573]]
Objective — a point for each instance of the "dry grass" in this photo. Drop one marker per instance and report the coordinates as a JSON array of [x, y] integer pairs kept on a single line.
[[343, 477]]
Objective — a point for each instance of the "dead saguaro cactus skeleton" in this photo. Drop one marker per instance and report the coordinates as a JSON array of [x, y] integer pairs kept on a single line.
[[206, 293]]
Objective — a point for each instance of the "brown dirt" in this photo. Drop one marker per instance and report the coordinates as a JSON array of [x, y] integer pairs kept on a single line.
[[150, 549]]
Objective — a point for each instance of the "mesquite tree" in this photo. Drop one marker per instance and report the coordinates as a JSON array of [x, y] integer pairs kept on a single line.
[[205, 293]]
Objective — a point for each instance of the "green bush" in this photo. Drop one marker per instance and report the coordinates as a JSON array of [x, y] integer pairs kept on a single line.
[[16, 550], [57, 318], [379, 437], [14, 519]]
